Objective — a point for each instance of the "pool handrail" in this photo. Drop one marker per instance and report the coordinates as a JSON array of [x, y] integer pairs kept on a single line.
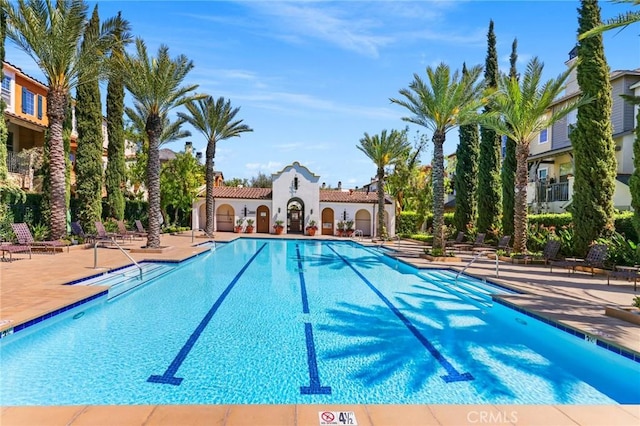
[[113, 241]]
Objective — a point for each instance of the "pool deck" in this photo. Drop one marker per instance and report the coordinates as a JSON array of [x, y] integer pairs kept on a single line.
[[30, 288]]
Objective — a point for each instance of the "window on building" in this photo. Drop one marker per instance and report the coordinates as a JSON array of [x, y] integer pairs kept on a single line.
[[572, 119], [543, 137], [28, 102], [6, 89], [10, 142], [503, 146], [542, 174]]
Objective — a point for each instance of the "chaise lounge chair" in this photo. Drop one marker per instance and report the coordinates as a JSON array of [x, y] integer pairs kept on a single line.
[[122, 230], [503, 244], [24, 238], [14, 248], [595, 259], [549, 253], [479, 242], [103, 236]]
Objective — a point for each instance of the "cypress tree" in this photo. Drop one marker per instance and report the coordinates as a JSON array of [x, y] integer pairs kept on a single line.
[[115, 175], [509, 163], [489, 188], [466, 181], [593, 145], [89, 152]]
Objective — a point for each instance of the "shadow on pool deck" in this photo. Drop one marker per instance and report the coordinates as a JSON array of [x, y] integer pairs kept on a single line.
[[30, 288]]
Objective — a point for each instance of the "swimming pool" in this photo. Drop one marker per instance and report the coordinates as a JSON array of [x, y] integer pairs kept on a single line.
[[296, 321]]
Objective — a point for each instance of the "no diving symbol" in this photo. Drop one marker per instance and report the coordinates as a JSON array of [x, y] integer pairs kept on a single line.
[[327, 416]]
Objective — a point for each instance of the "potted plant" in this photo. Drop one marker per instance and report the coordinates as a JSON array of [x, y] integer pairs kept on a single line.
[[340, 228], [348, 228], [312, 228], [238, 227], [279, 226], [249, 228]]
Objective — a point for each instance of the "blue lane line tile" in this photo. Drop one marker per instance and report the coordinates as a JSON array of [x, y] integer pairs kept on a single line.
[[452, 374], [303, 286], [567, 329], [314, 388], [169, 375]]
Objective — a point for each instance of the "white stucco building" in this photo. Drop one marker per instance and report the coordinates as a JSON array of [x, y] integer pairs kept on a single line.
[[295, 198]]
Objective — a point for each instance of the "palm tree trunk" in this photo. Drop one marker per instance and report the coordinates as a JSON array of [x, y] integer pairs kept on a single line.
[[154, 130], [56, 103], [438, 189], [209, 181], [382, 231], [520, 201]]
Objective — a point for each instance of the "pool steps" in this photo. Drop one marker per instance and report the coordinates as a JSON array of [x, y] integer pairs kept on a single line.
[[129, 278], [476, 291]]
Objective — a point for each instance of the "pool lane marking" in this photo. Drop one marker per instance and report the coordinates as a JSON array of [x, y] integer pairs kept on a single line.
[[169, 377], [315, 387], [452, 374]]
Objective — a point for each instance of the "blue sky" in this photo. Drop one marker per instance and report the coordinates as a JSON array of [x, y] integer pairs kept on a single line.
[[312, 77]]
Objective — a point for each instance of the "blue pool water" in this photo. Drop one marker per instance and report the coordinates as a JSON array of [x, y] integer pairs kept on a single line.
[[286, 321]]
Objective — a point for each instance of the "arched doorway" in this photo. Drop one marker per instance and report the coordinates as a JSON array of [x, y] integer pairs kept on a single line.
[[224, 218], [295, 216], [363, 221], [262, 219], [327, 221], [202, 216]]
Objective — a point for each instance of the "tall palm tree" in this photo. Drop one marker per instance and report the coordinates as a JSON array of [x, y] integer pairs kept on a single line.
[[444, 102], [51, 33], [383, 150], [216, 121], [522, 110], [621, 21], [156, 87]]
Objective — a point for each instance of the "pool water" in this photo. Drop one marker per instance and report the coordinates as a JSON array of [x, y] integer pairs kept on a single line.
[[294, 322]]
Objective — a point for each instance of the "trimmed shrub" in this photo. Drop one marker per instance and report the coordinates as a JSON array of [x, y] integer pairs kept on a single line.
[[408, 223]]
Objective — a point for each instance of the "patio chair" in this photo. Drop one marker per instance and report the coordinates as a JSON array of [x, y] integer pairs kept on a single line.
[[479, 242], [104, 236], [76, 229], [24, 238], [122, 230], [503, 244], [14, 248], [625, 272], [140, 228], [459, 239], [549, 253], [595, 259]]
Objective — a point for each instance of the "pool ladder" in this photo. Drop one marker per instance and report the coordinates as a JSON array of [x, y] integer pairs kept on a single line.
[[474, 259]]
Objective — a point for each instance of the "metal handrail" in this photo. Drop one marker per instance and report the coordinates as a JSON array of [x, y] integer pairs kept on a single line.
[[113, 240], [474, 259]]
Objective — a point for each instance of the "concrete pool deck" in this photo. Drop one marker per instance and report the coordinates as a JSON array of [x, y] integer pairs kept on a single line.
[[30, 288]]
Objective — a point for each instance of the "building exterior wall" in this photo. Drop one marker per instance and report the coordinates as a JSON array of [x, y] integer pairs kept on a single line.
[[307, 190]]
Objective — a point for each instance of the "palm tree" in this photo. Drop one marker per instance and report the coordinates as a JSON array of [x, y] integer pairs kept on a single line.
[[51, 33], [621, 21], [447, 101], [156, 87], [216, 121], [522, 110], [383, 150]]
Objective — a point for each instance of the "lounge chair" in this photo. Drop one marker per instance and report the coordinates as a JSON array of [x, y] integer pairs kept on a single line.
[[625, 272], [595, 259], [103, 235], [459, 239], [479, 242], [122, 230], [140, 228], [14, 248], [503, 244], [24, 238], [76, 229], [549, 253]]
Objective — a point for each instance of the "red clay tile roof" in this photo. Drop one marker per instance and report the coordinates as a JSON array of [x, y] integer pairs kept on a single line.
[[335, 196], [245, 193]]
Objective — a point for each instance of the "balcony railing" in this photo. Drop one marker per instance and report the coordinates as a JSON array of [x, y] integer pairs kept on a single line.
[[14, 163], [549, 192]]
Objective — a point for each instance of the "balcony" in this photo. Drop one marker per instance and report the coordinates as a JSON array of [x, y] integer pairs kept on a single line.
[[551, 192]]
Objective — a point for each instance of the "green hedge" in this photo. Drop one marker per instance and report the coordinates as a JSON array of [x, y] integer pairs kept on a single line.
[[408, 223], [30, 211], [448, 220]]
